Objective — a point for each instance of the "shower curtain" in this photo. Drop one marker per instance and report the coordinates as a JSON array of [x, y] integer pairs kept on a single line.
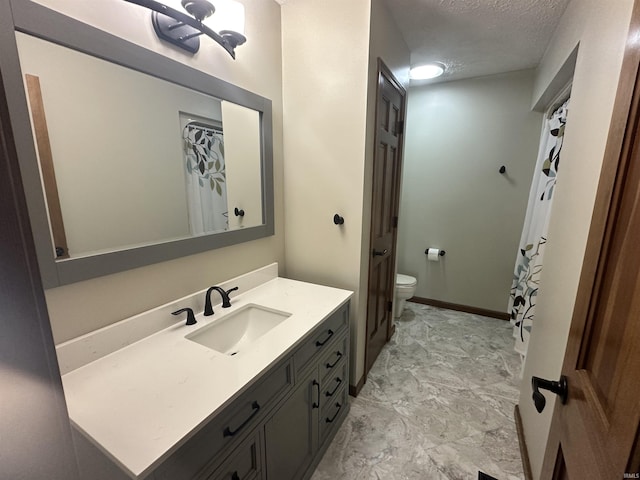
[[528, 268], [206, 178]]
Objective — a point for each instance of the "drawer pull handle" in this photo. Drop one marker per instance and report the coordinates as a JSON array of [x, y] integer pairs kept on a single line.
[[319, 343], [331, 365], [330, 420], [316, 404], [230, 433], [235, 476], [339, 382]]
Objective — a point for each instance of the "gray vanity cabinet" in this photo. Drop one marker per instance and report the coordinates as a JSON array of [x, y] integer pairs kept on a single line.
[[223, 438], [277, 429], [299, 432], [292, 432], [246, 461]]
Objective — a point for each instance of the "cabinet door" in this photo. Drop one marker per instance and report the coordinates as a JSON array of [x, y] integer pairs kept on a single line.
[[245, 463], [291, 434]]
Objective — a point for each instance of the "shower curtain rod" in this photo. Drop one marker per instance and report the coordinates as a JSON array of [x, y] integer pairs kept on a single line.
[[563, 95], [556, 106], [205, 126]]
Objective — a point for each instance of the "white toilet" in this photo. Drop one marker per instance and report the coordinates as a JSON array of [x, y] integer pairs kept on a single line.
[[405, 289]]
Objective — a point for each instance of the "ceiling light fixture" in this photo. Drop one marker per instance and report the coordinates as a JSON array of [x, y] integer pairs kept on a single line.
[[183, 30], [425, 72]]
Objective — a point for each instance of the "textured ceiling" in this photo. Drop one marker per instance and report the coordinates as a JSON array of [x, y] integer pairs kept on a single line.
[[477, 37]]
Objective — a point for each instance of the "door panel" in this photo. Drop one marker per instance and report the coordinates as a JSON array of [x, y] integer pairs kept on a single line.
[[384, 210], [378, 311], [595, 434]]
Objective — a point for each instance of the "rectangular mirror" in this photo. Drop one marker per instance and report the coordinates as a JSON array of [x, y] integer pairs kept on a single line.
[[140, 159]]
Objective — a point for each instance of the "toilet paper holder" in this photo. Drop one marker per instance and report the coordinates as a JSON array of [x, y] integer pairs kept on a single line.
[[441, 252]]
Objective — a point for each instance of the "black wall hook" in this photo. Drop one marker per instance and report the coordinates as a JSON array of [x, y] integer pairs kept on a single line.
[[338, 220], [503, 169], [238, 212]]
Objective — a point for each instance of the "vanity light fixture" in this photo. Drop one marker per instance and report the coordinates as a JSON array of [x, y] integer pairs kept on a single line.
[[425, 72], [184, 29]]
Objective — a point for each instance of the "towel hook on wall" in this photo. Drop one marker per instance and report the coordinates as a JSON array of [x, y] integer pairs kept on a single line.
[[503, 169], [338, 220]]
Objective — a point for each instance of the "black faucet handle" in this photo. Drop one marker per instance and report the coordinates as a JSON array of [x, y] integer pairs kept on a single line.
[[226, 301], [191, 318]]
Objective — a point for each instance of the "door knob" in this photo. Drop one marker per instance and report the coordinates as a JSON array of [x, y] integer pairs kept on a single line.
[[559, 388], [376, 253]]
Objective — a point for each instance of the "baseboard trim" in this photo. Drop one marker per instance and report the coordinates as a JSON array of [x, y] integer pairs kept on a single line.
[[461, 308], [524, 453], [355, 390]]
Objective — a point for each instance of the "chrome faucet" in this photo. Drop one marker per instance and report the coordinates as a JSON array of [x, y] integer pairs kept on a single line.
[[226, 301]]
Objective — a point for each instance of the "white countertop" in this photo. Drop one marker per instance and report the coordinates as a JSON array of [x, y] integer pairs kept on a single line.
[[140, 403]]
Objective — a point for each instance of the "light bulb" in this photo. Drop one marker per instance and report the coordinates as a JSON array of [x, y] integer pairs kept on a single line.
[[229, 15], [424, 72]]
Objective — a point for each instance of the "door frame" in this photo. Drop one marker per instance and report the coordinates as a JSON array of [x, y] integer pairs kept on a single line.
[[383, 70], [625, 119]]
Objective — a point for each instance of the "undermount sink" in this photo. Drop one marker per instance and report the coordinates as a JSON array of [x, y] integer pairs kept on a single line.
[[238, 329]]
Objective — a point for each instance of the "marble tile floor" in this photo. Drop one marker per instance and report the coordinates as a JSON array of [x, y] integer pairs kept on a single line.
[[438, 404]]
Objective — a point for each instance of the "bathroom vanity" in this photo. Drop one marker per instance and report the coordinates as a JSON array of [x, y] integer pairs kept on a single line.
[[150, 397], [172, 404]]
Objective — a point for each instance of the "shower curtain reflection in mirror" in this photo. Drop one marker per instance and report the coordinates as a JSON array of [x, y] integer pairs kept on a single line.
[[203, 147]]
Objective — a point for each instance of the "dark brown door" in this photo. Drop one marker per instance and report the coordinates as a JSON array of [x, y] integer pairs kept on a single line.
[[595, 435], [390, 113]]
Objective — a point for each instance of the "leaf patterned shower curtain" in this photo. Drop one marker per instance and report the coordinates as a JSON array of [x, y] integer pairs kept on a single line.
[[528, 268], [206, 178]]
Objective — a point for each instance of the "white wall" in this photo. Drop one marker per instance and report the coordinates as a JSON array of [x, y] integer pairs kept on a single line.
[[454, 198], [329, 68], [600, 28], [81, 307], [325, 59]]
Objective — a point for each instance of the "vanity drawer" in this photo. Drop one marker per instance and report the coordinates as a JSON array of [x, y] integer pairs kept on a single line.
[[336, 353], [245, 462], [199, 454], [321, 338], [333, 413], [331, 386]]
